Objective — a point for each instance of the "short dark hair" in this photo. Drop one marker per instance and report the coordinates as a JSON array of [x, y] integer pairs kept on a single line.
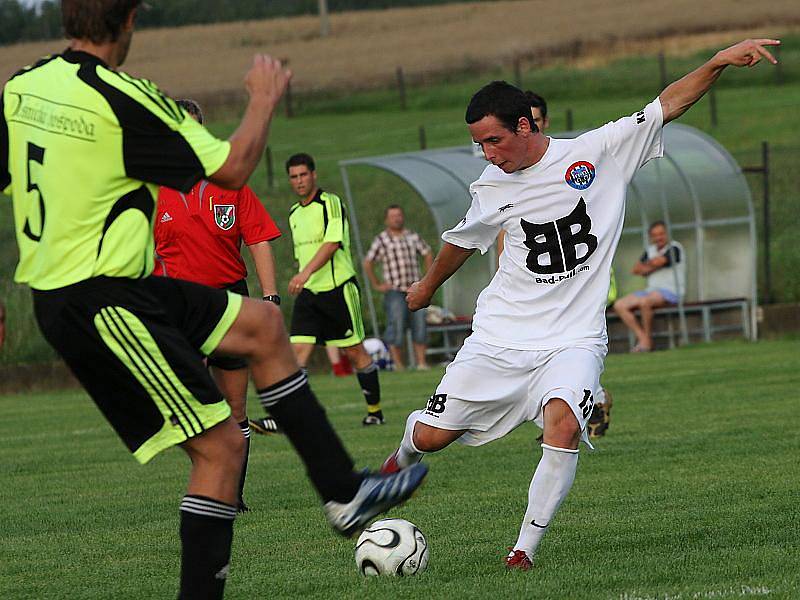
[[99, 21], [296, 160], [191, 107], [392, 207], [537, 101], [502, 100], [655, 224]]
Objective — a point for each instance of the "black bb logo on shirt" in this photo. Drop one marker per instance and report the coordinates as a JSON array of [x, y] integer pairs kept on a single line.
[[224, 216], [559, 242]]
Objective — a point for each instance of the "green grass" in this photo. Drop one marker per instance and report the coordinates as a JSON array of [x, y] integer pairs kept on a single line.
[[751, 107], [692, 494]]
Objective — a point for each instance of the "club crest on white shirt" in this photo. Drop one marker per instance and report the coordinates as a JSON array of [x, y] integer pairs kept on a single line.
[[580, 175]]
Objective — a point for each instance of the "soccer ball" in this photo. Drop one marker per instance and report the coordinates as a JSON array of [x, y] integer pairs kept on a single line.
[[392, 547]]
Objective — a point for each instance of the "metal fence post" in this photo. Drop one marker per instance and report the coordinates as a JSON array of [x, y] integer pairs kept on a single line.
[[662, 69], [767, 261], [712, 103], [423, 142], [401, 87], [270, 168], [569, 119]]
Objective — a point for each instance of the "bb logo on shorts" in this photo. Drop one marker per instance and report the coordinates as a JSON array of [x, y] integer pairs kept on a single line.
[[580, 175], [436, 405], [224, 216]]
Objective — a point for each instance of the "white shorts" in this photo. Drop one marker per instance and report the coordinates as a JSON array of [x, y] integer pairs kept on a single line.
[[489, 391]]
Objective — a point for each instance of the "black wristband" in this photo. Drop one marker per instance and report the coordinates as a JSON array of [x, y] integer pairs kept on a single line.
[[272, 298]]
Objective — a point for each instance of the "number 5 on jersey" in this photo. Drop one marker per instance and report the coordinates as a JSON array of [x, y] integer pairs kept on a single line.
[[36, 154]]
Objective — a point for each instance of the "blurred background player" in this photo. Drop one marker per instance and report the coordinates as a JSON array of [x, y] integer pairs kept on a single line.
[[328, 305], [199, 237], [134, 341], [397, 249], [663, 266]]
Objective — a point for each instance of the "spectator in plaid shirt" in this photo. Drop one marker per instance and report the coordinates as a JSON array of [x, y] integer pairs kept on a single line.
[[397, 249]]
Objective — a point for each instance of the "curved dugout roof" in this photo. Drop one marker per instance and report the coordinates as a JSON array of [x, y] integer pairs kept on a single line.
[[698, 189]]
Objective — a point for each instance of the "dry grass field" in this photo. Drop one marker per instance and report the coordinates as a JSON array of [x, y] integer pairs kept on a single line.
[[207, 61]]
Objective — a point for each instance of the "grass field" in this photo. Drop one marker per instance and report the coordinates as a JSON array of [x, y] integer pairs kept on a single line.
[[692, 494]]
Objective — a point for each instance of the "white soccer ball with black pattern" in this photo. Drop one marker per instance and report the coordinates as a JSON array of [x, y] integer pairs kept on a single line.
[[392, 547]]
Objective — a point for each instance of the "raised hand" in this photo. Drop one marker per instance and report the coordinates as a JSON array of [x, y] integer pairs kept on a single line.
[[748, 53], [267, 79]]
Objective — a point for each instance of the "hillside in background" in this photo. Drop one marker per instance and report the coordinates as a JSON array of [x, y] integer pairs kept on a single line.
[[366, 47]]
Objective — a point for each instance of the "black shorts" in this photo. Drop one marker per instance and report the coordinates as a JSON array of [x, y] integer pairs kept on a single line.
[[331, 318], [137, 347], [221, 361]]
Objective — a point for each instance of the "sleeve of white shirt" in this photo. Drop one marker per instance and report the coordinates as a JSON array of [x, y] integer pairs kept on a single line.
[[636, 139], [472, 232]]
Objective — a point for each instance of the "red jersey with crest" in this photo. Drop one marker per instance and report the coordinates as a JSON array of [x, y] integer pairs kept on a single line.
[[199, 235]]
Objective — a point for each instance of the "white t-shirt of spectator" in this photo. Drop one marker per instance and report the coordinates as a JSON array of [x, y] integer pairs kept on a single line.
[[671, 276], [563, 219]]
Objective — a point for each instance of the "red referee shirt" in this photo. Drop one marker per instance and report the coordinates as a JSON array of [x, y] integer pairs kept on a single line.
[[199, 235]]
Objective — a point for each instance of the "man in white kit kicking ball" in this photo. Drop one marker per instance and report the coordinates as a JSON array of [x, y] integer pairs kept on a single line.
[[539, 330]]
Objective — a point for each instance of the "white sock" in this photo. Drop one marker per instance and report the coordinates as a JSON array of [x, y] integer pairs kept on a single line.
[[408, 454], [550, 485], [600, 396]]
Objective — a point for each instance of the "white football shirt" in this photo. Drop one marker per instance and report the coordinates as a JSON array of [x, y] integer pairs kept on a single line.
[[563, 218], [671, 276]]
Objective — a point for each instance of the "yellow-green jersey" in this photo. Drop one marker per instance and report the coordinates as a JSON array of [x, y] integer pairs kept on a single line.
[[322, 220], [83, 149]]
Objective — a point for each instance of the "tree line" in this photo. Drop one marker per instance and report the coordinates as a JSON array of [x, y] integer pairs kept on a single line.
[[19, 23]]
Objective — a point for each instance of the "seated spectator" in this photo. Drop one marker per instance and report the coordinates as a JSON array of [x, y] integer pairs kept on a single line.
[[664, 268]]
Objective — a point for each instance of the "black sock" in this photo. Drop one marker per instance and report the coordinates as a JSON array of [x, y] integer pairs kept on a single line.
[[206, 537], [295, 408], [245, 427], [371, 387]]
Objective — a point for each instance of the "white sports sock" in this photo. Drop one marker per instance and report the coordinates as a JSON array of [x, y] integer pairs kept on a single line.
[[550, 485], [600, 396], [408, 454]]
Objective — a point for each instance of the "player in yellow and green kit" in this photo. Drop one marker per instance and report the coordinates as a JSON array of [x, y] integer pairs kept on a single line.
[[83, 149], [328, 306]]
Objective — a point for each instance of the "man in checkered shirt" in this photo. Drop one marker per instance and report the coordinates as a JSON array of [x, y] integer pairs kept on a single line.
[[397, 249]]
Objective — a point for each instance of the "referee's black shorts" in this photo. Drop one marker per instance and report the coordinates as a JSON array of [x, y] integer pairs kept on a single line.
[[137, 347], [222, 361]]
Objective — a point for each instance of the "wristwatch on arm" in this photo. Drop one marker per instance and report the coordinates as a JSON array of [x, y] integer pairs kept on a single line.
[[272, 298]]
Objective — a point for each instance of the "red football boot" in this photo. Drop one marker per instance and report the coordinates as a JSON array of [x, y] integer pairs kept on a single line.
[[390, 465], [517, 559]]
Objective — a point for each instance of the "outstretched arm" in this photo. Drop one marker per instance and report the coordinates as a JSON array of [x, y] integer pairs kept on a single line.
[[447, 262], [679, 96]]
